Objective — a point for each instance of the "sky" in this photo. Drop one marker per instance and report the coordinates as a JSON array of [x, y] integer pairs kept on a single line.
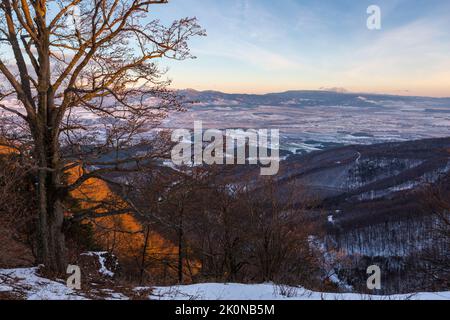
[[260, 46]]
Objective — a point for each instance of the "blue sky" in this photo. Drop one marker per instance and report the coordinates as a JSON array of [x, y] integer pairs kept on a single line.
[[266, 46]]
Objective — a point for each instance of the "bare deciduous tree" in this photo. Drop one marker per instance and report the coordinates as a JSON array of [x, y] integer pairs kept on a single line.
[[436, 256], [60, 67]]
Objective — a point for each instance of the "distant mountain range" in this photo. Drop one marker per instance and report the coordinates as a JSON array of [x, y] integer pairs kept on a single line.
[[306, 98]]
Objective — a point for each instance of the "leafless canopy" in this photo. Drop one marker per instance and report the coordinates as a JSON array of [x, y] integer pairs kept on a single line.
[[96, 55], [65, 62]]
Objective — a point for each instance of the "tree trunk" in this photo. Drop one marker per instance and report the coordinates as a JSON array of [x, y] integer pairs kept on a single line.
[[52, 252], [51, 242], [51, 246], [144, 254], [180, 249]]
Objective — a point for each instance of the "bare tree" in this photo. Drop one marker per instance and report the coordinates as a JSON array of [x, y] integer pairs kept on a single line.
[[179, 201], [436, 254], [279, 233], [68, 59]]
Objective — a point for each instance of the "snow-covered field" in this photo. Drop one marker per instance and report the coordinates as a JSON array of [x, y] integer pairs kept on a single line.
[[344, 119], [26, 284]]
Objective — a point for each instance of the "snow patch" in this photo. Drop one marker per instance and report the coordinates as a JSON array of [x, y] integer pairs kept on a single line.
[[26, 280], [102, 260]]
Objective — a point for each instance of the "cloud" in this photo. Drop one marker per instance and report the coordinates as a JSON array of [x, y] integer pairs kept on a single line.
[[412, 53], [248, 32], [260, 57]]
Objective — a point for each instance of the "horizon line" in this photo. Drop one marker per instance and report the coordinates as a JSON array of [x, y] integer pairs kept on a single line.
[[343, 91]]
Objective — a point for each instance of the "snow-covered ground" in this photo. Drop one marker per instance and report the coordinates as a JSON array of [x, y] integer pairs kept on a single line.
[[26, 284], [233, 291]]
